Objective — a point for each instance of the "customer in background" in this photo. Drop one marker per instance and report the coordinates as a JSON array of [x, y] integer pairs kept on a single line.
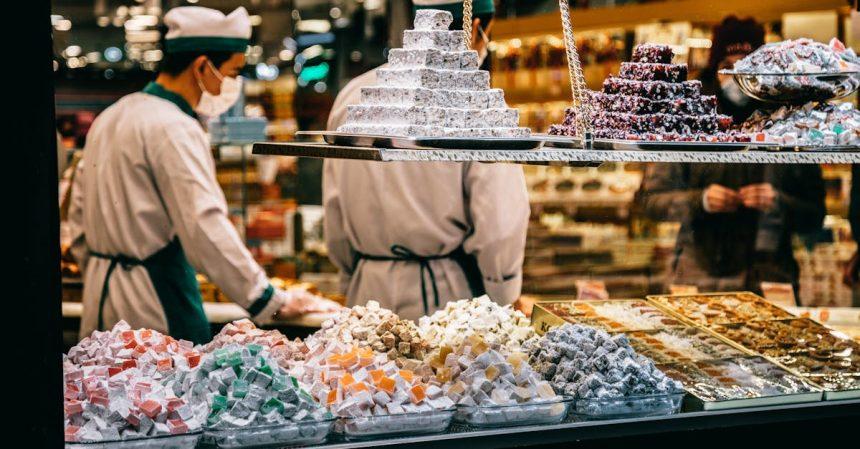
[[417, 235], [737, 220], [731, 41]]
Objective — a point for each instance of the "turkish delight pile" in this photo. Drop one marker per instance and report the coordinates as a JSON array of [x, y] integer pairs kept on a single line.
[[811, 124], [432, 87], [800, 56], [244, 386], [244, 332], [498, 325], [359, 382], [126, 384], [375, 327], [651, 99], [477, 374], [588, 363], [632, 316]]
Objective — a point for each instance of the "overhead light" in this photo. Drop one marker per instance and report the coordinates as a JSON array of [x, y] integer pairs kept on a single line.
[[122, 11], [72, 51], [103, 21], [335, 13], [286, 55], [192, 1], [320, 87], [113, 54], [63, 25], [94, 56], [256, 20], [314, 26]]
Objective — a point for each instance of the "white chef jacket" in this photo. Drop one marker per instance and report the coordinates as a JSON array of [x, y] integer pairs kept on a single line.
[[148, 176], [431, 208]]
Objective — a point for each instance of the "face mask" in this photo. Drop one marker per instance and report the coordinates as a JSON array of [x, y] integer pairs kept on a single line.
[[733, 92], [215, 105]]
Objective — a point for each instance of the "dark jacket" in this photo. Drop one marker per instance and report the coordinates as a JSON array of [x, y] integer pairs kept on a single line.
[[744, 242]]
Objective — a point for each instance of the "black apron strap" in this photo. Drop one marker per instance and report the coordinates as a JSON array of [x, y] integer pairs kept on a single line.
[[175, 284], [127, 264], [467, 263]]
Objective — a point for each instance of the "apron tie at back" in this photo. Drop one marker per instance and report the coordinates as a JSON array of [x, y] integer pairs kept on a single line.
[[127, 264], [466, 262]]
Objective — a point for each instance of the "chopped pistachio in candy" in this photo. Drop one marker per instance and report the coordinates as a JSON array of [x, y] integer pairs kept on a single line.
[[497, 324], [585, 363], [374, 327], [127, 384], [244, 386], [244, 332], [358, 382], [478, 374]]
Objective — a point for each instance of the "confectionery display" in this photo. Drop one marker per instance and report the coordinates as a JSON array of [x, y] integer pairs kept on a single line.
[[782, 337], [244, 332], [377, 328], [721, 308], [611, 315], [584, 362], [741, 378], [432, 87], [800, 69], [651, 99], [493, 389], [800, 56], [815, 363], [498, 325], [246, 387], [813, 124], [126, 384], [367, 373], [680, 344]]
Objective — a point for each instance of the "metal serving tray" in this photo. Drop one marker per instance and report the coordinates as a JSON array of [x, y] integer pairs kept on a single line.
[[183, 441], [422, 143], [545, 316], [650, 145]]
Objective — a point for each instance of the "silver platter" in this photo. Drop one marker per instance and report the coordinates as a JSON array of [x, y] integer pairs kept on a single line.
[[796, 88], [421, 143], [649, 145]]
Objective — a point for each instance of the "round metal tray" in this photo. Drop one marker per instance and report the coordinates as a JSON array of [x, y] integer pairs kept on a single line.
[[796, 88]]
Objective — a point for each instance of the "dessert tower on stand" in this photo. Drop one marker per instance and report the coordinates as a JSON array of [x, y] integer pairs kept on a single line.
[[432, 88]]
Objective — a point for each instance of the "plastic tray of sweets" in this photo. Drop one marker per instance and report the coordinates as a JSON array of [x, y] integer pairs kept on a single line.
[[287, 434], [628, 407], [523, 414], [400, 424], [184, 441]]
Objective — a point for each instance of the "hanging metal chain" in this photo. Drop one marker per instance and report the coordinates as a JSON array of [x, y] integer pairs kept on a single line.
[[467, 21], [577, 79]]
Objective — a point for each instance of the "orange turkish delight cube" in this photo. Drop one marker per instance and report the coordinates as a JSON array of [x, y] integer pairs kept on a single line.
[[417, 394], [359, 386], [386, 384], [376, 375], [407, 375], [346, 380], [332, 397]]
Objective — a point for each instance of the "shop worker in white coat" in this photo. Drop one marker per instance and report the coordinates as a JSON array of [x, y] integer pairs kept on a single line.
[[414, 236], [147, 210]]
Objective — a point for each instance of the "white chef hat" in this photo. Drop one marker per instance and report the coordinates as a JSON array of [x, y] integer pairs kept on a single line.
[[194, 28]]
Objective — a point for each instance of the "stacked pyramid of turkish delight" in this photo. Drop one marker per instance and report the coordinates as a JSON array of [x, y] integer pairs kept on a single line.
[[651, 99], [432, 88]]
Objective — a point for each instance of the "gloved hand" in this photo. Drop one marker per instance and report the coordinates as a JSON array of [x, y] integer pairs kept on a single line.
[[299, 302]]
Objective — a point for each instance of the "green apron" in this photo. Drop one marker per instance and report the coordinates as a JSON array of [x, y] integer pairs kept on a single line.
[[174, 279], [175, 284]]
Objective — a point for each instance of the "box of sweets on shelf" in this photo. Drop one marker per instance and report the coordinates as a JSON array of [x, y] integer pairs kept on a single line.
[[720, 308], [614, 315]]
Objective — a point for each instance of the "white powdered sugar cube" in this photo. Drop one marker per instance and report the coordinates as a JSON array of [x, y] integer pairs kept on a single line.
[[432, 19]]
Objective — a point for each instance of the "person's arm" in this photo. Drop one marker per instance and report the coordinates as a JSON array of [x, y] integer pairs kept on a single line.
[[185, 176], [498, 205], [666, 196], [340, 250], [78, 249]]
